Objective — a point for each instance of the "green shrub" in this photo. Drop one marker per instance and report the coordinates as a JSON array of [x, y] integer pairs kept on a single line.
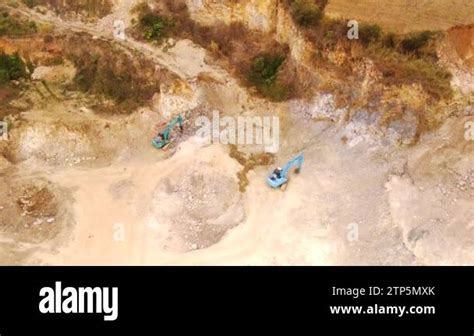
[[263, 74], [265, 68], [305, 12], [369, 33], [415, 42], [155, 27], [390, 41], [11, 68]]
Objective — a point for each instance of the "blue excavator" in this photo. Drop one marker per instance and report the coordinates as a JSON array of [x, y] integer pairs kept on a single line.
[[279, 177], [163, 139]]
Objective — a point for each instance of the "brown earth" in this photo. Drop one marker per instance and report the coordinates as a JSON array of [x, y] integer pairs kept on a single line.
[[461, 38], [406, 15]]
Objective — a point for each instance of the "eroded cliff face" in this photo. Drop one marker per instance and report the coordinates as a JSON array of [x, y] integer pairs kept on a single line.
[[255, 14], [267, 16], [462, 39], [458, 54], [348, 78]]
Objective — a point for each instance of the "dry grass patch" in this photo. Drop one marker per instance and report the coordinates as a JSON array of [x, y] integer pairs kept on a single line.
[[87, 8], [248, 163]]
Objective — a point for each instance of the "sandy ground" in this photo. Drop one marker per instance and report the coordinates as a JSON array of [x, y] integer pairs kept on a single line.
[[350, 205], [127, 228]]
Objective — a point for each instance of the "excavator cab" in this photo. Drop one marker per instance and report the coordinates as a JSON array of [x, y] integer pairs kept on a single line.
[[163, 138], [161, 141], [279, 177]]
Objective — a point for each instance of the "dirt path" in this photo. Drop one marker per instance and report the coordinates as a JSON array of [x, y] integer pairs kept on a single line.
[[182, 61]]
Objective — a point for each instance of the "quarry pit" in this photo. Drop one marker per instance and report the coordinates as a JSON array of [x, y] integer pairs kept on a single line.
[[388, 177]]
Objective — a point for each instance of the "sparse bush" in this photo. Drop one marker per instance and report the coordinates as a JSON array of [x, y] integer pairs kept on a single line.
[[322, 4], [402, 59], [263, 74], [103, 78], [155, 27], [390, 41], [415, 42], [275, 91], [265, 69], [329, 40], [328, 33], [105, 71], [151, 25], [369, 33], [12, 67], [14, 27], [407, 59], [97, 8], [305, 12], [398, 69], [86, 73], [29, 3]]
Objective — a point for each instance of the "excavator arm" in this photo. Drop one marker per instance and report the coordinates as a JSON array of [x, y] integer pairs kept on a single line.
[[281, 180], [296, 162], [163, 140]]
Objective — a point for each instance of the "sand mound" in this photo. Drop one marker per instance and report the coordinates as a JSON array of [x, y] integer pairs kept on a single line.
[[32, 210], [200, 204]]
